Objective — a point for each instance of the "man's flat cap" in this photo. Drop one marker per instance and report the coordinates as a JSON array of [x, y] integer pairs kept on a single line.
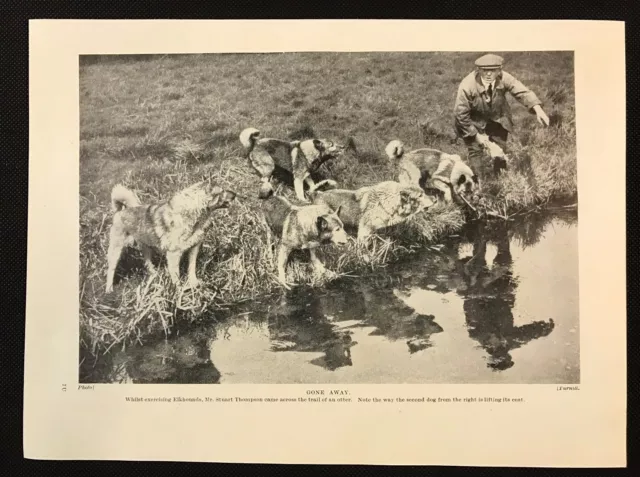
[[489, 61]]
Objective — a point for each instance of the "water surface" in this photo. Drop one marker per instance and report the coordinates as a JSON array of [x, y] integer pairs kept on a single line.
[[496, 304]]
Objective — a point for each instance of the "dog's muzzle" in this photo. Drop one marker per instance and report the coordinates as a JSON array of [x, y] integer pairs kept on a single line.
[[426, 202], [340, 237]]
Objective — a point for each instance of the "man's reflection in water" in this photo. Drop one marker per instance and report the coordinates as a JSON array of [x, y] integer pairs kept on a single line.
[[490, 296], [183, 360]]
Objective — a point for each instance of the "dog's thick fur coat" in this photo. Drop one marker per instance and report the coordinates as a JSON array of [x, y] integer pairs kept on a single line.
[[374, 207], [300, 158], [301, 227], [172, 227], [430, 168]]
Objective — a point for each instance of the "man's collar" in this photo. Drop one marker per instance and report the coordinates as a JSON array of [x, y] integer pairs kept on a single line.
[[496, 85], [487, 83]]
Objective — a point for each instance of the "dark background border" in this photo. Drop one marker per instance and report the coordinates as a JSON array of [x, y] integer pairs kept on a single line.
[[14, 130]]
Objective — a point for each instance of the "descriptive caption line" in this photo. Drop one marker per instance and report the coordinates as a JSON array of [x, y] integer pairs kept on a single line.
[[329, 397]]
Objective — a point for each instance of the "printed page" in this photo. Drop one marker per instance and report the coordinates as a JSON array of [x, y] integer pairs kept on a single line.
[[338, 242]]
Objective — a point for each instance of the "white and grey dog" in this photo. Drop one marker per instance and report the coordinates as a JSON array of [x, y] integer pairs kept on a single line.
[[431, 168], [301, 158]]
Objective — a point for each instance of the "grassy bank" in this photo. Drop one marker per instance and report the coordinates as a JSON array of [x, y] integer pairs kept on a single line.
[[158, 124]]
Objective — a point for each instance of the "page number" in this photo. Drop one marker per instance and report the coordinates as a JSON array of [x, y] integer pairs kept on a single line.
[[64, 387]]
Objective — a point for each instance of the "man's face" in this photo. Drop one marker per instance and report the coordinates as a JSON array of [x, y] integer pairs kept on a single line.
[[489, 74]]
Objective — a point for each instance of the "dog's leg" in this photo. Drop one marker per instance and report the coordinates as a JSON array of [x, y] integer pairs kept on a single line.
[[445, 189], [310, 182], [116, 244], [364, 232], [147, 253], [173, 265], [193, 256], [300, 173], [299, 188], [283, 256], [317, 264], [263, 163]]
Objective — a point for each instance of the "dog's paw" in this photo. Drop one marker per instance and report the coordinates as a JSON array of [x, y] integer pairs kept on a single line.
[[192, 284], [284, 284], [319, 270], [329, 274]]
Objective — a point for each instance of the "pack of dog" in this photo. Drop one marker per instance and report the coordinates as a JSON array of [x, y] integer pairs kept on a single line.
[[325, 215]]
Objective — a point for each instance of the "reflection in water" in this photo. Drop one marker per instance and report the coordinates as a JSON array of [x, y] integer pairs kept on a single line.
[[296, 324], [452, 313], [305, 320], [177, 360], [182, 360], [490, 297]]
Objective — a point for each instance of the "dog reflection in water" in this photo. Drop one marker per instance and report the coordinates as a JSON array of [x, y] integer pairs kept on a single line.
[[293, 326], [337, 351], [489, 299], [183, 360]]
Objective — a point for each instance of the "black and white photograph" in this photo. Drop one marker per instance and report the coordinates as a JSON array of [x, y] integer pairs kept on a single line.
[[328, 217]]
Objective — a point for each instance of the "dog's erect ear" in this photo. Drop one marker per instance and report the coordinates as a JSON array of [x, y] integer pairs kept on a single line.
[[322, 224], [462, 179], [317, 143]]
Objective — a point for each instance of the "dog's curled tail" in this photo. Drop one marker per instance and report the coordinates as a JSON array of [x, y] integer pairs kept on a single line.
[[395, 149], [326, 182], [122, 197], [248, 138]]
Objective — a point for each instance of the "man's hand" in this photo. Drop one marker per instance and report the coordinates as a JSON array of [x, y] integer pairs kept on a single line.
[[482, 139], [541, 115]]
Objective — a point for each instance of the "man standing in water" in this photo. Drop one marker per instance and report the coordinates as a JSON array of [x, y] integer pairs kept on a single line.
[[482, 112]]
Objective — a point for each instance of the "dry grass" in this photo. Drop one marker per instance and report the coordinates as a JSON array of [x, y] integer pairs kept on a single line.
[[160, 123]]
